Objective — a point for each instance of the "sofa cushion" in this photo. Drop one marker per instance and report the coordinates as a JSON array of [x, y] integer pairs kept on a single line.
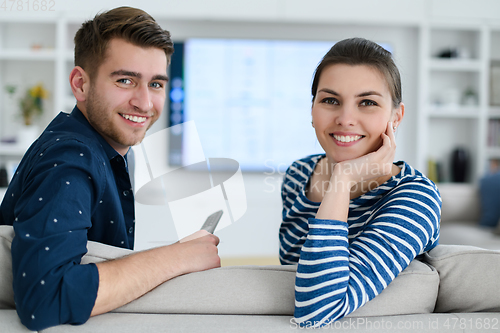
[[414, 290], [247, 290], [10, 323], [269, 290], [468, 278], [489, 190]]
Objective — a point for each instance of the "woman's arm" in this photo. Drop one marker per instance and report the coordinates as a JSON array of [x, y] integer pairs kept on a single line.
[[335, 278], [297, 209]]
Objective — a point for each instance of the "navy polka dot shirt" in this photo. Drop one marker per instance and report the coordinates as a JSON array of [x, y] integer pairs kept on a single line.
[[70, 187]]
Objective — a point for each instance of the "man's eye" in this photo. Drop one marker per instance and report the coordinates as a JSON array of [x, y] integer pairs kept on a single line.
[[124, 81], [330, 100], [367, 102], [156, 85]]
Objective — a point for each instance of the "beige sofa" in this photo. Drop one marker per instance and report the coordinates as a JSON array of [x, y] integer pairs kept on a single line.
[[453, 289], [460, 218]]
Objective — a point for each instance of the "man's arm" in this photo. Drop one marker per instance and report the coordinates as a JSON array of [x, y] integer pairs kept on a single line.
[[123, 280]]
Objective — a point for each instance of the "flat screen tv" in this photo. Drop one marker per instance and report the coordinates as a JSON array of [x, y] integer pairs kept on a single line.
[[250, 100]]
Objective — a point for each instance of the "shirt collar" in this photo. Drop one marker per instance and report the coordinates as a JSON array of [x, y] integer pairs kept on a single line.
[[111, 153]]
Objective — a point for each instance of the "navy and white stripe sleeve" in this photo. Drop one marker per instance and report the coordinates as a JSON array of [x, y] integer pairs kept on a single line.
[[341, 268]]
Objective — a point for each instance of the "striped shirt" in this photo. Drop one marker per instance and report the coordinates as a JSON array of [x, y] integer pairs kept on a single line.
[[342, 265]]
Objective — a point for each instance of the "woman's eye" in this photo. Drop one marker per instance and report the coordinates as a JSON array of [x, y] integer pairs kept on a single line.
[[368, 102], [330, 100]]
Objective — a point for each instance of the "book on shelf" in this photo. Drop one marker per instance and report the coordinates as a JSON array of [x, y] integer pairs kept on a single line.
[[494, 133]]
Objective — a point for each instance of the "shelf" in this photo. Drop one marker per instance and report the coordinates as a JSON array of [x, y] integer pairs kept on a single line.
[[21, 54], [494, 112], [445, 64], [466, 112], [493, 152]]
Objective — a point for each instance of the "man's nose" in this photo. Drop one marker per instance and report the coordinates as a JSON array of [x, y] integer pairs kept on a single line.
[[142, 99]]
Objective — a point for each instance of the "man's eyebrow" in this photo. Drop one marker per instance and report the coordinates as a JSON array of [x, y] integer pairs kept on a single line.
[[138, 75], [160, 77], [126, 73]]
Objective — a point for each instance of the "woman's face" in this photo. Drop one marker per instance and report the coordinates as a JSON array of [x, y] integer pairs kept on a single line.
[[351, 110]]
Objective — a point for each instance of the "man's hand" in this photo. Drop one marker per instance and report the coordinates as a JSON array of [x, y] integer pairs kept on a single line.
[[123, 280], [201, 249], [197, 234]]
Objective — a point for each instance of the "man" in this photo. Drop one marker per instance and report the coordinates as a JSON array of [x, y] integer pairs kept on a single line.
[[73, 184]]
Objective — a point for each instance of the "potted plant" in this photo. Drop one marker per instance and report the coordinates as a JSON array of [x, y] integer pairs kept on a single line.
[[31, 106], [32, 103]]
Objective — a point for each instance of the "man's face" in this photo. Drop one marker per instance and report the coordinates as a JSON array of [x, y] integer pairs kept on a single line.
[[127, 94]]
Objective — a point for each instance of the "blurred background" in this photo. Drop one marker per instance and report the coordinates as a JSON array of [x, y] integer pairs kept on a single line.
[[242, 71]]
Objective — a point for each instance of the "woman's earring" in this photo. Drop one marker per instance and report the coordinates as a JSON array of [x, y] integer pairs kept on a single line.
[[312, 123], [394, 128]]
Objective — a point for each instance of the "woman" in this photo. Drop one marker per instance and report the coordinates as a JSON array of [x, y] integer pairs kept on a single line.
[[353, 219]]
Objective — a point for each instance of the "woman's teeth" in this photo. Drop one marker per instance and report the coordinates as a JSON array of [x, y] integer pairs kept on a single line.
[[135, 119], [343, 138]]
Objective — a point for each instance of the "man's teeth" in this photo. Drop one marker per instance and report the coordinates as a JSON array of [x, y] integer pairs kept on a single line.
[[343, 138], [135, 119]]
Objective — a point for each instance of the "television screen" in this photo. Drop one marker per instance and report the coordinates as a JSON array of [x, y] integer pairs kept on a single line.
[[250, 100]]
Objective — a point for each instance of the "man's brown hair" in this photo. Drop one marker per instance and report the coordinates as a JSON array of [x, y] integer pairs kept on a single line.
[[130, 24]]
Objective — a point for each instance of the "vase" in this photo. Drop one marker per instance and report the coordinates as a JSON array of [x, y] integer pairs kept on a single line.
[[27, 135], [459, 165]]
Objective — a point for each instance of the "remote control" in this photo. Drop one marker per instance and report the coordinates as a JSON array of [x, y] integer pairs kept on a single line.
[[212, 221]]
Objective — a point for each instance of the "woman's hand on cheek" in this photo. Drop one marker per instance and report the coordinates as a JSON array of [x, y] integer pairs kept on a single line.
[[372, 165]]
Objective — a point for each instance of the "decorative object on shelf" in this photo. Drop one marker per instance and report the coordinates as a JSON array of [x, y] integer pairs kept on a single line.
[[494, 166], [433, 172], [9, 104], [494, 133], [10, 89], [495, 83], [32, 103], [454, 52], [459, 165], [451, 98], [36, 47], [470, 98]]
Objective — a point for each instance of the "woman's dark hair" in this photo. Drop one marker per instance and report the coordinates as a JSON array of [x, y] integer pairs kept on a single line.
[[130, 24], [360, 51]]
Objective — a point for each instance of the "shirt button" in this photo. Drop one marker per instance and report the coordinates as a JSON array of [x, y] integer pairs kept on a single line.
[[125, 193], [131, 230]]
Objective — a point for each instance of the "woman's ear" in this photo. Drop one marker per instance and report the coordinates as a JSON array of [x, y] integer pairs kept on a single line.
[[398, 115], [80, 83]]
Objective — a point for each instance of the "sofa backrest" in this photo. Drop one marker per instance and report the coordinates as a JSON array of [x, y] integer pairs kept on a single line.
[[460, 202]]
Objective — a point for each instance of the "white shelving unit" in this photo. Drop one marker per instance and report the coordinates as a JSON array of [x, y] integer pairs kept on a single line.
[[446, 121], [32, 50]]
